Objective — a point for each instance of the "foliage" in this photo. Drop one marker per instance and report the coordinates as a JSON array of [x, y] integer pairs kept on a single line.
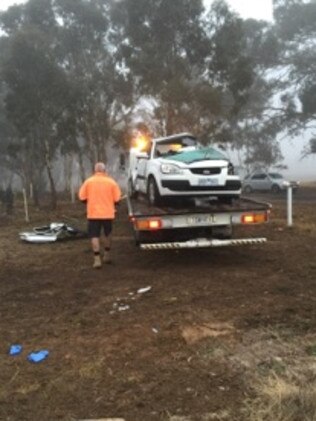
[[295, 25], [78, 75]]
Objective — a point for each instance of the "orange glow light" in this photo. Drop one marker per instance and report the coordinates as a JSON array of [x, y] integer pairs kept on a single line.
[[254, 218], [176, 147], [155, 224], [140, 142], [148, 224]]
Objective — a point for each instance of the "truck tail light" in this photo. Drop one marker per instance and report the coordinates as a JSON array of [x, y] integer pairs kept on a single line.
[[148, 224], [254, 218]]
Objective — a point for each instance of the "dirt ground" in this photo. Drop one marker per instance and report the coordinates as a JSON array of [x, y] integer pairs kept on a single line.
[[190, 348]]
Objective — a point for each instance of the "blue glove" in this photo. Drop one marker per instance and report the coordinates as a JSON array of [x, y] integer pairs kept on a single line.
[[38, 356], [15, 349]]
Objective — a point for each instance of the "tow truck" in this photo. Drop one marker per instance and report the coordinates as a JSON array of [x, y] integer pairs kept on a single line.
[[191, 222], [201, 223]]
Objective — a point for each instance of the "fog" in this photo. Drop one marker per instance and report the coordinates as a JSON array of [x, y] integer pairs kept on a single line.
[[298, 168], [301, 169]]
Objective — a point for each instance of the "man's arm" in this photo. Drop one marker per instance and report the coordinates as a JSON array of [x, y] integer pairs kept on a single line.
[[116, 194]]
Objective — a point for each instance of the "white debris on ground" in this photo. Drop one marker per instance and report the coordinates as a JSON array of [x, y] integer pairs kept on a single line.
[[123, 308], [143, 290], [121, 304]]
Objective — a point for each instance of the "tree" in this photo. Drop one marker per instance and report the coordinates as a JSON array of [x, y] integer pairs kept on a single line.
[[103, 93], [296, 27], [242, 52], [65, 93], [164, 47]]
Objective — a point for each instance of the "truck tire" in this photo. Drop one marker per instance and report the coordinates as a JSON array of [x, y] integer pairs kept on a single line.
[[153, 196]]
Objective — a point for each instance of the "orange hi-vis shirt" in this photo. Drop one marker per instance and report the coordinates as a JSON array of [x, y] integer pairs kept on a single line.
[[101, 193]]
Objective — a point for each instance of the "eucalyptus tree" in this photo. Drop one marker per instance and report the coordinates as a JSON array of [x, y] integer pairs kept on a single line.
[[242, 54], [65, 92], [38, 89], [296, 28], [103, 92], [164, 48], [204, 70]]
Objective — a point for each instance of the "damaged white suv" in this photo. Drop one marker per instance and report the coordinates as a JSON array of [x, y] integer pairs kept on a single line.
[[178, 166]]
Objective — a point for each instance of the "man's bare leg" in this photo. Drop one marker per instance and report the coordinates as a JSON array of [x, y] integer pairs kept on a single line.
[[95, 243], [107, 248]]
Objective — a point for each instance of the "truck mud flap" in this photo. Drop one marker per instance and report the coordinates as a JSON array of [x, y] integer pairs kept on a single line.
[[202, 242]]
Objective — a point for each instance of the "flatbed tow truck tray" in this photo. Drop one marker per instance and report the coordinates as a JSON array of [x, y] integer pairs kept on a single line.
[[141, 208], [202, 223]]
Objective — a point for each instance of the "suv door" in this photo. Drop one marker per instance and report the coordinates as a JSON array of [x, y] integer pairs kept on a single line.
[[260, 182], [142, 169]]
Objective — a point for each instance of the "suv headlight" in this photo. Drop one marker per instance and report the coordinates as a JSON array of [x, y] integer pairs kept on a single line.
[[170, 169], [285, 183]]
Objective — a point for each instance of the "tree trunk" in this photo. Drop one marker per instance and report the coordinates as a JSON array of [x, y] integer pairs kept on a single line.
[[170, 120], [82, 171], [67, 161], [50, 177]]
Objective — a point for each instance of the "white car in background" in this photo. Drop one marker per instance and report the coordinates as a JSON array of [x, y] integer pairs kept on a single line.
[[178, 166], [267, 181]]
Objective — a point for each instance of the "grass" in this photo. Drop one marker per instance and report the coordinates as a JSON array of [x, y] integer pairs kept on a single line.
[[92, 369], [288, 398], [281, 376], [311, 350]]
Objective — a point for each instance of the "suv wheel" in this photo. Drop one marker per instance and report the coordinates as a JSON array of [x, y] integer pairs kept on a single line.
[[247, 189], [131, 189], [275, 189], [153, 195]]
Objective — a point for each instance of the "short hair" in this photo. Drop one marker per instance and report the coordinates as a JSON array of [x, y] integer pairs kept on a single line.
[[99, 167]]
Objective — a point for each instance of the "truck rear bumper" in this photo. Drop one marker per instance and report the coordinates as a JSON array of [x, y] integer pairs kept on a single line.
[[202, 243]]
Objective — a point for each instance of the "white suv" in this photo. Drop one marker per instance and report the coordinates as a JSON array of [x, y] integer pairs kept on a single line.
[[267, 181], [178, 166]]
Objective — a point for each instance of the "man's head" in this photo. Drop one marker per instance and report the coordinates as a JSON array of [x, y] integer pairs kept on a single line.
[[99, 167]]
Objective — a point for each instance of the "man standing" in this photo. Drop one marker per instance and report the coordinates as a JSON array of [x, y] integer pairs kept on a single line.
[[102, 194]]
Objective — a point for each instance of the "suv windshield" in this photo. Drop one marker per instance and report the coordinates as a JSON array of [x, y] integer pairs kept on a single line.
[[175, 146]]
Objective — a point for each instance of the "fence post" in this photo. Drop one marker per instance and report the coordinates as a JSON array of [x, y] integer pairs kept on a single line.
[[289, 205]]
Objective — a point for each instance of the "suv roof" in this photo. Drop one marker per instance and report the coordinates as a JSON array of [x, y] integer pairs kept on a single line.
[[174, 137]]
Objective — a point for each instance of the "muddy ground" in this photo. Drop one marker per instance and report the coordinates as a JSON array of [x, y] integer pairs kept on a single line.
[[191, 348]]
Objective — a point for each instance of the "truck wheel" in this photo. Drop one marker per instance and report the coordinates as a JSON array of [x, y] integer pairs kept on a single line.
[[131, 190], [275, 189], [153, 195]]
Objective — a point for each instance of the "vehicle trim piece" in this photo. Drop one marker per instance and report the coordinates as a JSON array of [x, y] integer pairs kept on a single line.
[[202, 243]]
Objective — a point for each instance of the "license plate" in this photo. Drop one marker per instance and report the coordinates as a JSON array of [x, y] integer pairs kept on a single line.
[[208, 181], [201, 220]]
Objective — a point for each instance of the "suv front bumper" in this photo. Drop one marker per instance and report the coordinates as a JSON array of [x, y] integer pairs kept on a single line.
[[184, 186]]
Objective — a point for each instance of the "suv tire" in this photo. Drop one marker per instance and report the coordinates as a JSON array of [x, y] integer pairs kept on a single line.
[[275, 189], [153, 196], [131, 190], [247, 189]]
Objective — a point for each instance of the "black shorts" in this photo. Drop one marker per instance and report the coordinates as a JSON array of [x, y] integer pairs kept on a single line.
[[95, 227]]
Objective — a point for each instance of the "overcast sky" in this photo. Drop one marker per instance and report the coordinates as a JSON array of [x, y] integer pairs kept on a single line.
[[257, 9]]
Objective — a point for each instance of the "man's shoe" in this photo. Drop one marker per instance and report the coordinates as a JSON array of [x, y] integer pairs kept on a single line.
[[97, 262], [107, 257]]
